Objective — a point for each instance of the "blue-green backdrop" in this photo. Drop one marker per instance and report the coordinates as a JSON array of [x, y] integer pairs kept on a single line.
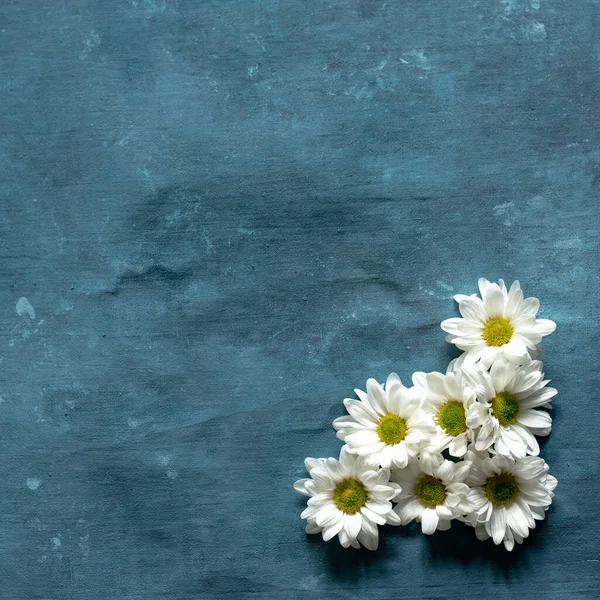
[[217, 218]]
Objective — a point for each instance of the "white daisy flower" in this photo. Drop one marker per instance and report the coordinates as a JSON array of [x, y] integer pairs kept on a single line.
[[500, 323], [388, 424], [433, 492], [449, 398], [348, 498], [508, 495], [509, 397]]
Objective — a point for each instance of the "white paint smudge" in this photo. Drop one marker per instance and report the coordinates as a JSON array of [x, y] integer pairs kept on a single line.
[[149, 179], [427, 291], [258, 40], [444, 293], [382, 64], [172, 474], [174, 217], [420, 59], [509, 6], [248, 232], [210, 248], [365, 91], [33, 483], [56, 543], [574, 243], [24, 307], [92, 42], [163, 459], [534, 31], [84, 545], [133, 423], [153, 7], [501, 209], [507, 211], [515, 7], [311, 582]]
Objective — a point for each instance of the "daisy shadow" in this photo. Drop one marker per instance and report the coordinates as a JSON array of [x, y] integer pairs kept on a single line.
[[411, 530], [351, 564], [542, 441], [459, 544], [451, 352]]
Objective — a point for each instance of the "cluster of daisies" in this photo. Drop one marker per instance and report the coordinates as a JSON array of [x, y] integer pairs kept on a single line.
[[455, 446]]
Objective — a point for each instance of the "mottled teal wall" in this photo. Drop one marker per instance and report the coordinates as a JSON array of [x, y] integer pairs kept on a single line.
[[225, 216]]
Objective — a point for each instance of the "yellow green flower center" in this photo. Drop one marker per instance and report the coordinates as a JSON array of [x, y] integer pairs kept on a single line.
[[497, 332], [350, 496], [506, 408], [430, 491], [391, 429], [451, 417], [501, 489]]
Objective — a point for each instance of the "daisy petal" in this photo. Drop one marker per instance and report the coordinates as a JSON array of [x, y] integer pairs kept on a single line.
[[300, 487], [332, 530], [471, 310], [377, 396], [483, 284], [408, 510], [363, 437], [352, 525], [545, 326], [312, 528], [429, 521], [373, 516], [515, 298], [530, 306], [494, 301], [368, 540], [360, 411], [498, 525], [537, 419]]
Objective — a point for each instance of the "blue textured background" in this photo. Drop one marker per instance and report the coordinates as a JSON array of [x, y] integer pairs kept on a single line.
[[226, 215]]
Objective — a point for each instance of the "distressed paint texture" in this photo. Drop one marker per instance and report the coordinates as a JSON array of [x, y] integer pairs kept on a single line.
[[217, 219]]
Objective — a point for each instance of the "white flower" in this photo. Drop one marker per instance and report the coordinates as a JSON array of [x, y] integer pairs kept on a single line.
[[449, 398], [388, 424], [509, 397], [433, 492], [348, 498], [501, 322], [508, 495]]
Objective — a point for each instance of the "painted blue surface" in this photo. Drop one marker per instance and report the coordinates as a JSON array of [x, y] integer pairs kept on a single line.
[[223, 217]]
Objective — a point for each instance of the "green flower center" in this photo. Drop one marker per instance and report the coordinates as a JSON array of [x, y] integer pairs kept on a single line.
[[497, 332], [391, 429], [501, 489], [350, 496], [451, 417], [506, 408], [430, 491]]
